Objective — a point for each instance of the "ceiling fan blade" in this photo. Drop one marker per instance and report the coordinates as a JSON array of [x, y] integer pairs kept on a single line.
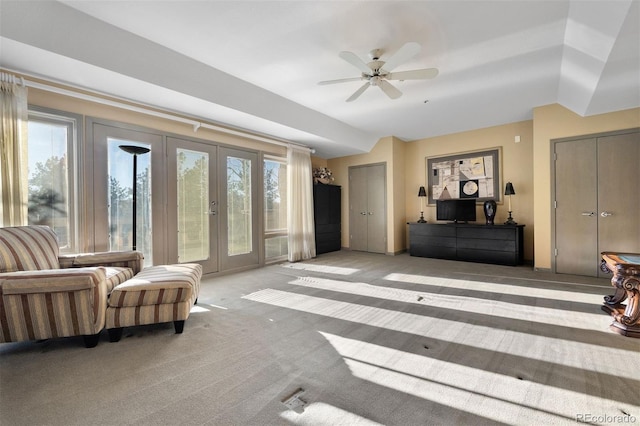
[[340, 80], [389, 89], [358, 92], [406, 52], [353, 59], [422, 74]]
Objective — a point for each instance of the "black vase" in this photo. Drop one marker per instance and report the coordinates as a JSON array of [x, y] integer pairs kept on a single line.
[[489, 208]]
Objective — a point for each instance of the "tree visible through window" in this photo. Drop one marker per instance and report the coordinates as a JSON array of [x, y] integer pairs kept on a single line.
[[275, 208], [51, 176]]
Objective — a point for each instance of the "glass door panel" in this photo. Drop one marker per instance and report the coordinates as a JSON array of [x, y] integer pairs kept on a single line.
[[239, 230], [193, 205], [238, 208], [130, 199], [116, 152], [193, 215]]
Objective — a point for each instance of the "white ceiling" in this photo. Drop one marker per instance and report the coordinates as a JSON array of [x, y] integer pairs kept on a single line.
[[256, 64]]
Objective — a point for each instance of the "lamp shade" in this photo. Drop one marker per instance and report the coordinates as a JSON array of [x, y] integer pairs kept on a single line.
[[508, 190], [422, 192], [132, 149]]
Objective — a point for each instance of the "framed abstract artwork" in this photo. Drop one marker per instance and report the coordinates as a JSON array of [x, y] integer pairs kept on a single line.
[[474, 175]]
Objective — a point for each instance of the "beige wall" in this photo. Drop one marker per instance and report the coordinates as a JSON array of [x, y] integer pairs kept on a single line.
[[93, 109], [515, 166], [554, 122]]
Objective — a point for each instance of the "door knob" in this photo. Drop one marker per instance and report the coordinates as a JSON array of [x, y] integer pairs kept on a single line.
[[588, 214], [605, 214]]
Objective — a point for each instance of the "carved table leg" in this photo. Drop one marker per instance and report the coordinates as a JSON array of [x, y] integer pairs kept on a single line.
[[627, 321]]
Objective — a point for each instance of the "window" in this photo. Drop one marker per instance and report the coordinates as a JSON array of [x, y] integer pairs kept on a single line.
[[52, 178], [275, 208]]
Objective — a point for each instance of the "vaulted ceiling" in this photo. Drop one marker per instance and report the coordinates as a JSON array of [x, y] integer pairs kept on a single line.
[[255, 65]]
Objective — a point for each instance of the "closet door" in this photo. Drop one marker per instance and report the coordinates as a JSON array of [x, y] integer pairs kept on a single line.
[[367, 208], [597, 189], [619, 193], [576, 212]]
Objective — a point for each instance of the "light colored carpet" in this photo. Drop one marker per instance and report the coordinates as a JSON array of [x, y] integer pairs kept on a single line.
[[371, 339]]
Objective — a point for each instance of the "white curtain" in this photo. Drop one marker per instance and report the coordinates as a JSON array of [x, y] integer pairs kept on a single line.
[[302, 240], [13, 151]]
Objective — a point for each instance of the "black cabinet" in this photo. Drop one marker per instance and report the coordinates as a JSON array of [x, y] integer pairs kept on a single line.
[[500, 244], [327, 210]]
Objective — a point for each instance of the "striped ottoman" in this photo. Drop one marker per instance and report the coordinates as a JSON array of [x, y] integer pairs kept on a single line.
[[156, 294]]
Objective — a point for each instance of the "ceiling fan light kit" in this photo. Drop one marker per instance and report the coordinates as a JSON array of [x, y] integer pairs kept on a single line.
[[378, 73]]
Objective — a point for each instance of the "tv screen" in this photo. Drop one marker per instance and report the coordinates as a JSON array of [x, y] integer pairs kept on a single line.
[[456, 210]]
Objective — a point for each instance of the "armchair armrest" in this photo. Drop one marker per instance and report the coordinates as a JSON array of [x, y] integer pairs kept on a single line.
[[127, 259], [51, 280]]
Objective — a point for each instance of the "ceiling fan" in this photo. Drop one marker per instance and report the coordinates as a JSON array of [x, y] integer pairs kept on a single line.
[[378, 73]]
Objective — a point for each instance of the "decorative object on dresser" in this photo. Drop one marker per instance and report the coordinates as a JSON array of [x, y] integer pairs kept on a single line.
[[326, 216], [509, 191], [422, 193], [498, 244], [489, 207], [322, 175]]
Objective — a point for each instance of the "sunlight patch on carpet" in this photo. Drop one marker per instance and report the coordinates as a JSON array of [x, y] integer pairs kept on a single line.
[[320, 413], [464, 304], [460, 332], [321, 268], [497, 288], [504, 398]]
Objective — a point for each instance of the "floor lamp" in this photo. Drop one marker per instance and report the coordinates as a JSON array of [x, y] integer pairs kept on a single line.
[[135, 150]]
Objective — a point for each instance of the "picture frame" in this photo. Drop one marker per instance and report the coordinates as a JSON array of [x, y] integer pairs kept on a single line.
[[473, 174]]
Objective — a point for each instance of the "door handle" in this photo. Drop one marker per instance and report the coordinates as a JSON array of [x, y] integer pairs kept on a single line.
[[211, 211], [363, 213], [605, 214], [587, 214]]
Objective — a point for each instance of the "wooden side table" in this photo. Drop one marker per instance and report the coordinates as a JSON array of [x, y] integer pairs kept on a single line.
[[626, 280]]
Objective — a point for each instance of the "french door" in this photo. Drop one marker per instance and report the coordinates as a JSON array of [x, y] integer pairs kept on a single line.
[[193, 203], [238, 213]]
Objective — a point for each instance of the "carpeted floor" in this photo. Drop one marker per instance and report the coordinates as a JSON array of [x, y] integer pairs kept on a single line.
[[369, 339]]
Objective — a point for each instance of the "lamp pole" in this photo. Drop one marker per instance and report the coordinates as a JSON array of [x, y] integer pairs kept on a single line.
[[135, 150]]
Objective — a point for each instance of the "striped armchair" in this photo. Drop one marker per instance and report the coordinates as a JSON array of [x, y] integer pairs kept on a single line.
[[44, 294]]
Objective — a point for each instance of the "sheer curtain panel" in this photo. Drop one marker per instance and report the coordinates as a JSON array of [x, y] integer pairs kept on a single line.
[[13, 151], [302, 242]]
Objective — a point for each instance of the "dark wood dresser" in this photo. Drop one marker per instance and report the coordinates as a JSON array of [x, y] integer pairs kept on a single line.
[[499, 244]]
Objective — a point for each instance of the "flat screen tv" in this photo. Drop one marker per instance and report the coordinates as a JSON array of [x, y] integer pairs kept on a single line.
[[456, 210]]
